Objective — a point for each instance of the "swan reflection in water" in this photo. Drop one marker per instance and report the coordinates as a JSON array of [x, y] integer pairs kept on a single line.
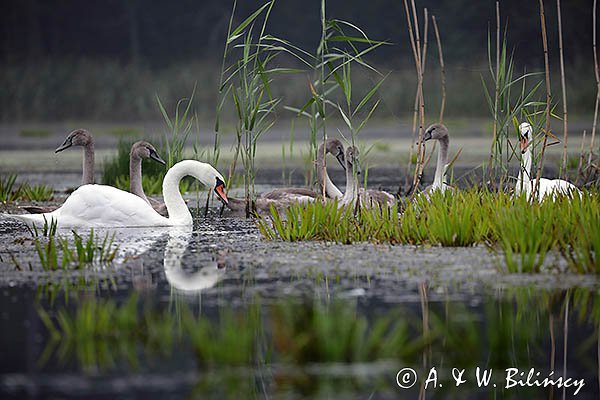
[[185, 282], [134, 242]]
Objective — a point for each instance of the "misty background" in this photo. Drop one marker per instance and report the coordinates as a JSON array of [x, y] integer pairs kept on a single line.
[[107, 60]]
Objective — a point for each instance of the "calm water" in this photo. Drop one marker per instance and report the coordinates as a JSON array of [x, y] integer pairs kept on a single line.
[[216, 312]]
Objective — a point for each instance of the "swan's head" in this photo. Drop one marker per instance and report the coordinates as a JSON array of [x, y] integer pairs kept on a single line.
[[352, 163], [525, 135], [435, 132], [79, 137], [336, 148], [212, 177], [144, 150]]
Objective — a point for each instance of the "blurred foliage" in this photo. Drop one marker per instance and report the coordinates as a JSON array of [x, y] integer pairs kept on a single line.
[[95, 62]]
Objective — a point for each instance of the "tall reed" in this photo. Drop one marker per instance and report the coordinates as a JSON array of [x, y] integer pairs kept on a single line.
[[548, 96], [246, 82]]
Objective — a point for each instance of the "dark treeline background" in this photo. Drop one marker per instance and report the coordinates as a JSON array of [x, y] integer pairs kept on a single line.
[[107, 59]]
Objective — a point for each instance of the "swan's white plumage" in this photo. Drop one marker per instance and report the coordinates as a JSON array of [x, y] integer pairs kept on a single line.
[[96, 206], [547, 187], [93, 206]]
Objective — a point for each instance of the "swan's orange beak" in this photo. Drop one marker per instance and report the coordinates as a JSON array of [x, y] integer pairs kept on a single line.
[[220, 191], [524, 142]]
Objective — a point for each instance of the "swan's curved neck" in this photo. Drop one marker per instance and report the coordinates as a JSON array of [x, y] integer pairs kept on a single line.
[[442, 160], [88, 163], [330, 189], [178, 211], [135, 177], [524, 178]]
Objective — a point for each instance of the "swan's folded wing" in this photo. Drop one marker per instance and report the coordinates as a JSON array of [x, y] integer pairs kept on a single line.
[[100, 205]]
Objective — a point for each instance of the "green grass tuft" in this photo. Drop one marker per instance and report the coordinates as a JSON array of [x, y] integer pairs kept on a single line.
[[524, 232]]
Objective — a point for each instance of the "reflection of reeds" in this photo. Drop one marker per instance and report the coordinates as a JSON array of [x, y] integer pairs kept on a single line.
[[105, 334]]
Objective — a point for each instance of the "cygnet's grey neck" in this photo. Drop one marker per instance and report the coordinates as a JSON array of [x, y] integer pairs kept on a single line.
[[88, 163], [135, 176], [330, 189], [442, 160]]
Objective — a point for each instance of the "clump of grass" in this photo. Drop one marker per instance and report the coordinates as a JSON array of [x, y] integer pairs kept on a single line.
[[524, 232], [35, 192], [7, 183], [581, 247], [57, 252], [9, 192]]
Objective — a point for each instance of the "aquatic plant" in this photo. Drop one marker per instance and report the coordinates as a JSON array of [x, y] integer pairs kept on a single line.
[[246, 82], [10, 193], [172, 147], [35, 192], [57, 252], [7, 183], [522, 231], [504, 105], [581, 244]]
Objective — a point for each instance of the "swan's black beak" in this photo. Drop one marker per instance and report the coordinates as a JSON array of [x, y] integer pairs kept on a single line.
[[154, 155], [220, 191], [341, 159], [66, 144], [427, 136]]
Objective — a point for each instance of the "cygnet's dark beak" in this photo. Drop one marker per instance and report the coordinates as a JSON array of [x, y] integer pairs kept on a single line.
[[427, 136], [154, 155], [65, 145], [341, 159]]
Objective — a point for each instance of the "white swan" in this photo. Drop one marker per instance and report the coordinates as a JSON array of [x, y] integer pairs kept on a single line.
[[439, 132], [93, 206], [546, 187], [354, 193]]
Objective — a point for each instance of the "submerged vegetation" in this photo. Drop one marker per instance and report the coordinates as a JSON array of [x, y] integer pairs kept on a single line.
[[524, 231]]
